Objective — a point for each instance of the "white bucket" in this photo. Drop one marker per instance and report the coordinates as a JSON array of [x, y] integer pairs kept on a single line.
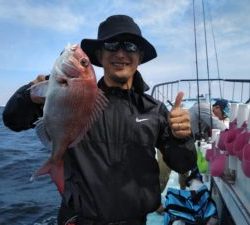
[[243, 114], [248, 121], [233, 111], [215, 135]]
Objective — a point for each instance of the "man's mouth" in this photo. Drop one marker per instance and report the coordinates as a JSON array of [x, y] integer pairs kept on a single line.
[[120, 64]]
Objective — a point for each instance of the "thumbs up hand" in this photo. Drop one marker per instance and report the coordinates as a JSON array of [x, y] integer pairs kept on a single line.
[[179, 119]]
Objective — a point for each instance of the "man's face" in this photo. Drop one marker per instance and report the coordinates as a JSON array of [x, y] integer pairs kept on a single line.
[[120, 59], [218, 112]]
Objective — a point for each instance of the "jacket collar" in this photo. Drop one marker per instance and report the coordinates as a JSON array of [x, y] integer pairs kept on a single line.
[[135, 95]]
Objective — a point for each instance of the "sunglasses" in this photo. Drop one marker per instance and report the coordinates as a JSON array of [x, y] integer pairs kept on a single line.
[[125, 45]]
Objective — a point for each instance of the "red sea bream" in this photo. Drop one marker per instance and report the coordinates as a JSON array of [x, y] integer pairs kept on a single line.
[[72, 103]]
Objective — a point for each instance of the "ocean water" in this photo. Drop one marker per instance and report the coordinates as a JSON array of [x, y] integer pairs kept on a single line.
[[23, 202], [31, 203]]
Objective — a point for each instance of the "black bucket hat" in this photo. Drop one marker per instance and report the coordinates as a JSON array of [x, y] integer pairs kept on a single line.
[[115, 26]]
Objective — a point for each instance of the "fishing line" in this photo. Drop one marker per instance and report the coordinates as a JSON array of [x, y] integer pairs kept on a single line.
[[215, 49], [197, 77], [208, 72]]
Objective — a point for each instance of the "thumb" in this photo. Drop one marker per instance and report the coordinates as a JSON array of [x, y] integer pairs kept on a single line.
[[178, 99]]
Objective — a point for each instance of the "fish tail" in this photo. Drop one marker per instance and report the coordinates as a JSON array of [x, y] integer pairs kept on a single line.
[[56, 172], [45, 169], [57, 175]]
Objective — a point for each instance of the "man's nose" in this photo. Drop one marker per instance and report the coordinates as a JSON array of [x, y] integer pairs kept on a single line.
[[121, 52]]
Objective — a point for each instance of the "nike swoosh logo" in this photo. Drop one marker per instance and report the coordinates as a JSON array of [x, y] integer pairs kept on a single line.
[[140, 120]]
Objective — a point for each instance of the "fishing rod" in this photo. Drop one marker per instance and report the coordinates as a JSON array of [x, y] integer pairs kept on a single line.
[[215, 48], [208, 72], [197, 76]]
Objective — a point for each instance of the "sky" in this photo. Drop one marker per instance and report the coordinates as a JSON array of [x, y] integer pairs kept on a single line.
[[34, 32]]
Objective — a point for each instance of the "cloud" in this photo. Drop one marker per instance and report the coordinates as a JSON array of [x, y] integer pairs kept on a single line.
[[231, 22], [46, 15]]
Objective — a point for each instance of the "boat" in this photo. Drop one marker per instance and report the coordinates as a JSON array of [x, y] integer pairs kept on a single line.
[[230, 193]]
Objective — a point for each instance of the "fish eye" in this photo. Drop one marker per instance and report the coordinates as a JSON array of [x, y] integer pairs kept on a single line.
[[84, 62]]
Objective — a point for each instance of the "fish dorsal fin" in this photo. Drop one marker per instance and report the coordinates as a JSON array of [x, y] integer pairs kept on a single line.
[[42, 134], [39, 89], [100, 104]]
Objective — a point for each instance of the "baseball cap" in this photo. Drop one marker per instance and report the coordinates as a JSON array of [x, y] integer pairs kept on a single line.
[[224, 106]]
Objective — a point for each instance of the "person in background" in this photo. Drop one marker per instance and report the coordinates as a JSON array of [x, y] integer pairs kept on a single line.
[[209, 119], [220, 111], [112, 175]]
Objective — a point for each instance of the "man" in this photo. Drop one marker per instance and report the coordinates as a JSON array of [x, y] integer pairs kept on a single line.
[[219, 111], [112, 176], [209, 118]]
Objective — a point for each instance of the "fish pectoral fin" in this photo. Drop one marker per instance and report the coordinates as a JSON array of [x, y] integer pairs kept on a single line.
[[39, 89], [100, 104], [62, 80]]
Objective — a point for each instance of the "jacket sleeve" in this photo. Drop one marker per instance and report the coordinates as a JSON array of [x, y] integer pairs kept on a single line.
[[179, 154], [20, 112]]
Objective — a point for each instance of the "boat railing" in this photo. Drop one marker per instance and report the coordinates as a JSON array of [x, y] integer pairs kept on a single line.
[[235, 90]]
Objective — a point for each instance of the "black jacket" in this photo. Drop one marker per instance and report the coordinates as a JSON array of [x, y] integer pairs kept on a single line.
[[112, 174]]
